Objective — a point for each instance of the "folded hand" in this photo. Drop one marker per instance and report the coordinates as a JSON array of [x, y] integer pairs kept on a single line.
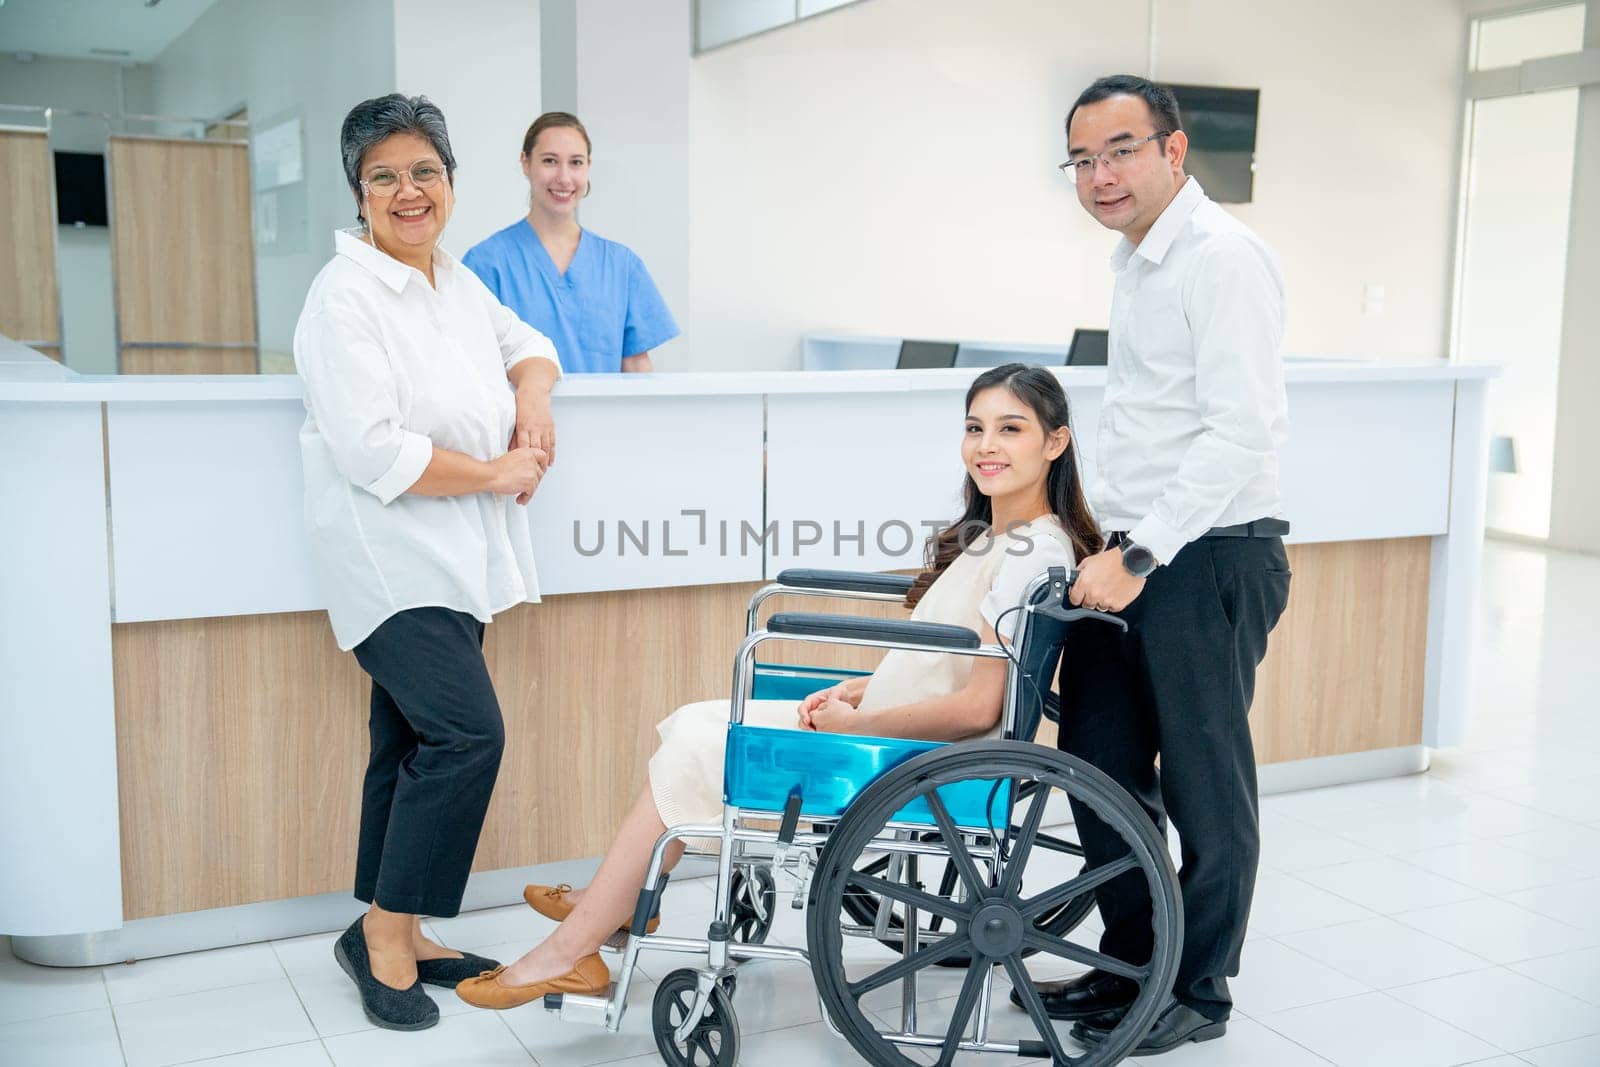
[[829, 715]]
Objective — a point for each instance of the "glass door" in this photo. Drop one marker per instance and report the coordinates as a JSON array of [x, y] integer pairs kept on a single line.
[[1512, 262]]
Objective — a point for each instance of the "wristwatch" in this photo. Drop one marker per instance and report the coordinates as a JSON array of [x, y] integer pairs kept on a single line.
[[1138, 560]]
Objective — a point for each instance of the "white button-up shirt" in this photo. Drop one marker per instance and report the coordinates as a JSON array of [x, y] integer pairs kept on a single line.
[[393, 367], [1194, 409]]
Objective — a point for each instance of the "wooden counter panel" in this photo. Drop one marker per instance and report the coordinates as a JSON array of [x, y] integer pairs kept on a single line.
[[242, 741], [1345, 669], [28, 307], [187, 361], [240, 748]]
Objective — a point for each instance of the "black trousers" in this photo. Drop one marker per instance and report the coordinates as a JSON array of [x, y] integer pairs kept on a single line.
[[437, 737], [1178, 684]]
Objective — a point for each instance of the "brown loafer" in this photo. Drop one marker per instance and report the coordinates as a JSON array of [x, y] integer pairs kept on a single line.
[[551, 902], [488, 991]]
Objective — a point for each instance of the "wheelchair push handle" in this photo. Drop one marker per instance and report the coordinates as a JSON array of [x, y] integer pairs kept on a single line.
[[1057, 606]]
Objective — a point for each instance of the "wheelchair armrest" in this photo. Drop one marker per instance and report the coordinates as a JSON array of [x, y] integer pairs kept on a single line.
[[938, 635], [846, 581]]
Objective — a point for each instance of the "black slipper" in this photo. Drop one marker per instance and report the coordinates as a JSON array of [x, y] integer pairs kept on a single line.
[[451, 973], [385, 1006]]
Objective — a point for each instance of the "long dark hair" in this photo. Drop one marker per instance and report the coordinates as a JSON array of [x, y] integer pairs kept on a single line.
[[1037, 388]]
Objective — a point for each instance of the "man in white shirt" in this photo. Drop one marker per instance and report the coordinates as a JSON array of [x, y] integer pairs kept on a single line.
[[1187, 492]]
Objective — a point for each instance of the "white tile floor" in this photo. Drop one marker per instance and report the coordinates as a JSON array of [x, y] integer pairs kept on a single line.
[[1446, 918]]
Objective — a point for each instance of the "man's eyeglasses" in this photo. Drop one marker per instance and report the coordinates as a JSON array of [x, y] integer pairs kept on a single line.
[[1115, 158], [425, 173]]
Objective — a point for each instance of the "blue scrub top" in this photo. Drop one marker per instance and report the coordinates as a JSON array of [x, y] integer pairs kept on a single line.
[[603, 308]]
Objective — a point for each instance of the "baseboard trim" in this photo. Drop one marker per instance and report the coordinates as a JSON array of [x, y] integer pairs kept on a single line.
[[194, 931], [1322, 771]]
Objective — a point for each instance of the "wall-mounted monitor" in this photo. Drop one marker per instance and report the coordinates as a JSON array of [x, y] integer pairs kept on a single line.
[[81, 189], [1221, 124]]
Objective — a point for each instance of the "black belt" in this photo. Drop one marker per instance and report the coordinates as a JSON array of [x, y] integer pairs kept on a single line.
[[1255, 528]]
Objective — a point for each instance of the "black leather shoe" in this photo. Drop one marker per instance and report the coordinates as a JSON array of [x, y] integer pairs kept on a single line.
[[1178, 1024], [450, 972], [384, 1005], [1086, 995]]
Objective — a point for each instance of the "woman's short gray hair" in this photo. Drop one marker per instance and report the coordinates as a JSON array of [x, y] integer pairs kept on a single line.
[[383, 116]]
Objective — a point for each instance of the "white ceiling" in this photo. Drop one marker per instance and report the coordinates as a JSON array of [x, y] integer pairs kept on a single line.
[[76, 28]]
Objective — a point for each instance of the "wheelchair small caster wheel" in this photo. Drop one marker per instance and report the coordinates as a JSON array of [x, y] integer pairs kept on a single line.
[[714, 1041], [754, 904]]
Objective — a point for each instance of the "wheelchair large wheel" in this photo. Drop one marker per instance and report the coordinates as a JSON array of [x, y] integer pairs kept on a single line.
[[714, 1041], [861, 907], [990, 922]]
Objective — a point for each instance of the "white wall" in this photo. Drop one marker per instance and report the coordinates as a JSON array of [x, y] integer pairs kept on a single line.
[[479, 61], [891, 168], [302, 57], [65, 84]]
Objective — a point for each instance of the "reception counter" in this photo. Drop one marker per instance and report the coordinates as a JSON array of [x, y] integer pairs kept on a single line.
[[185, 742]]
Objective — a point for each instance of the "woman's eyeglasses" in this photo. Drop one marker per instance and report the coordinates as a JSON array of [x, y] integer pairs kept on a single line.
[[424, 174]]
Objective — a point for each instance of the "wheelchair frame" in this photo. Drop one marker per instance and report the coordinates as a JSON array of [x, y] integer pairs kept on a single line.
[[793, 849]]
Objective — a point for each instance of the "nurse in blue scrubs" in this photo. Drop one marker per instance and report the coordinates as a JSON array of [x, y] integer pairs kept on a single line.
[[591, 296]]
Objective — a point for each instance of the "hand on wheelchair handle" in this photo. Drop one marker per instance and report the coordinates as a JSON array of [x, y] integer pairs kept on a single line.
[[1066, 612], [1102, 583]]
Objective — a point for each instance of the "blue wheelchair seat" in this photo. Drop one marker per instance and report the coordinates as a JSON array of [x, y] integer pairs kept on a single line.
[[765, 766]]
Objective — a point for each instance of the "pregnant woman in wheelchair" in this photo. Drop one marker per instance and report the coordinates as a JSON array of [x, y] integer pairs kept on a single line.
[[1024, 512]]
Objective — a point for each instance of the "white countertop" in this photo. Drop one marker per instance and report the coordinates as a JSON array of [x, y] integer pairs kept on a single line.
[[33, 382]]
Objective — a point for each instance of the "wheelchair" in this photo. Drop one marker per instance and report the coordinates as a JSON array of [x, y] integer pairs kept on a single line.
[[858, 823]]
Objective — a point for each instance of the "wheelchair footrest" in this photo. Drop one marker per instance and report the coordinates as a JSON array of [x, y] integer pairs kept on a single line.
[[580, 1007]]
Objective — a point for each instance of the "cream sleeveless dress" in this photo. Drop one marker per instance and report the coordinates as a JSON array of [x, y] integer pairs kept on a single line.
[[977, 587]]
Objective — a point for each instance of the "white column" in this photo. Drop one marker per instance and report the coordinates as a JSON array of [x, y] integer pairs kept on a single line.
[[1454, 576], [632, 74], [60, 844], [558, 54]]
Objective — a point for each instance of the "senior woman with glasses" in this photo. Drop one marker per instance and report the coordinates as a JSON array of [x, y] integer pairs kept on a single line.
[[428, 425]]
